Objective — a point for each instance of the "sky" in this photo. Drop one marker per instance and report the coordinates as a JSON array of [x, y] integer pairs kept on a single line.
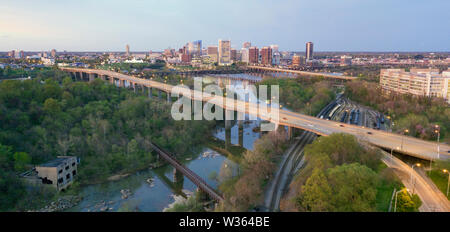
[[333, 25]]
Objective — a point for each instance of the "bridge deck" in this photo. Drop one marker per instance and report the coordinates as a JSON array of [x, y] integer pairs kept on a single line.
[[411, 146], [269, 69]]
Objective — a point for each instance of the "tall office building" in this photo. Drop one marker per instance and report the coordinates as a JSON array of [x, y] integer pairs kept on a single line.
[[274, 48], [233, 55], [309, 51], [127, 50], [53, 53], [198, 47], [195, 48], [253, 55], [246, 45], [244, 55], [213, 53], [266, 56], [224, 52]]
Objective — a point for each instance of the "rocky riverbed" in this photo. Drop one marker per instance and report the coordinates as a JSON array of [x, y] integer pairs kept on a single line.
[[61, 204]]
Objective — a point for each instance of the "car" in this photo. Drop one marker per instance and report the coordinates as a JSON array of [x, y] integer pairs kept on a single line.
[[369, 133], [341, 125], [284, 118]]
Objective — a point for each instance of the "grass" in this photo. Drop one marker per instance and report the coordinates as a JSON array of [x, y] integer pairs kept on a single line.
[[384, 195], [440, 179], [388, 183]]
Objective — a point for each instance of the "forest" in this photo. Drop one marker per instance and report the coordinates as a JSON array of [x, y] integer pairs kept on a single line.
[[108, 128]]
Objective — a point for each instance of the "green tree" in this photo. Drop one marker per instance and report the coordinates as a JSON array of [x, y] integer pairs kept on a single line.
[[406, 203], [316, 194], [21, 159], [354, 187]]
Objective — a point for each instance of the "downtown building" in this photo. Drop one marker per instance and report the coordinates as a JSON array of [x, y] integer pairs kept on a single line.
[[419, 82], [245, 55], [309, 51], [253, 55], [213, 53], [266, 56], [224, 52]]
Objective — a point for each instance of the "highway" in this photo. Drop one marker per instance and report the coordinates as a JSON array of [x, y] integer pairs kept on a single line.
[[411, 146], [433, 200]]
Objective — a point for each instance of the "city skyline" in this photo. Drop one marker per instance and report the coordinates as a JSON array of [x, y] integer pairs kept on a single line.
[[151, 25]]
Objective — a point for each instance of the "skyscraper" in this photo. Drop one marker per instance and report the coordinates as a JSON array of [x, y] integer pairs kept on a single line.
[[213, 53], [224, 52], [253, 55], [246, 45], [53, 52], [197, 48], [309, 51], [127, 49], [266, 56], [233, 55], [244, 55]]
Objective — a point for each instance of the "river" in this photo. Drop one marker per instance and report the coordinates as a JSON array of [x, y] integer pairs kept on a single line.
[[159, 193]]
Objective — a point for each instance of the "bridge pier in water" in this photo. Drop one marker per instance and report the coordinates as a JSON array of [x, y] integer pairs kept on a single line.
[[150, 92], [241, 132], [169, 98]]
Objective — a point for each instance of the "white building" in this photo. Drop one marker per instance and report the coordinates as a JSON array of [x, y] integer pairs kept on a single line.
[[422, 82], [48, 61], [244, 55]]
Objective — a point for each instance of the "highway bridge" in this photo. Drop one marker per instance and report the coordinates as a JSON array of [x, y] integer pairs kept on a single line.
[[390, 141], [279, 71]]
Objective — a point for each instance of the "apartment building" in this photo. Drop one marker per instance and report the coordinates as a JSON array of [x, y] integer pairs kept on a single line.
[[421, 82]]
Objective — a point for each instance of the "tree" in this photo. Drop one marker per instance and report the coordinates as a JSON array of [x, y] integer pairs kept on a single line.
[[21, 159], [406, 203], [52, 106], [354, 187], [316, 194]]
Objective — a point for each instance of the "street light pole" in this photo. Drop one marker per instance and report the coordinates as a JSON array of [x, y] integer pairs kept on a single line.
[[405, 131], [448, 182], [412, 169]]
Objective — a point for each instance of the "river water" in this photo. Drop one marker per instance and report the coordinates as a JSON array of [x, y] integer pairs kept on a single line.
[[152, 190]]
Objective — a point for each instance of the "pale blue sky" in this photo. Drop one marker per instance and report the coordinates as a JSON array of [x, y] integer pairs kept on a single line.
[[333, 25]]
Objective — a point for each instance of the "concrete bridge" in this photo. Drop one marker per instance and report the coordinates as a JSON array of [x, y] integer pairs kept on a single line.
[[390, 141], [192, 73], [280, 71]]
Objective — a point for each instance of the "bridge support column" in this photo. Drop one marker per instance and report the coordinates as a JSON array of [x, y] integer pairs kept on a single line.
[[169, 98], [121, 83], [91, 77], [241, 132], [150, 92], [177, 176], [290, 132], [81, 76]]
